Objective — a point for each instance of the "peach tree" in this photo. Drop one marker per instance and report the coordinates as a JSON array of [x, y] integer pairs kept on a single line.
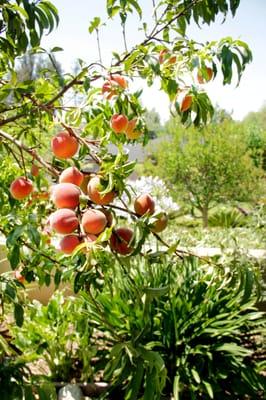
[[60, 180]]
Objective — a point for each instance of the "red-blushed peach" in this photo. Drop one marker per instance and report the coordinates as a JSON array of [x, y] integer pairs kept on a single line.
[[108, 90], [21, 278], [120, 80], [120, 241], [133, 135], [94, 189], [93, 221], [69, 243], [21, 188], [65, 195], [186, 103], [119, 123], [160, 224], [34, 170], [64, 221], [144, 204], [71, 175], [64, 145], [110, 87], [130, 131]]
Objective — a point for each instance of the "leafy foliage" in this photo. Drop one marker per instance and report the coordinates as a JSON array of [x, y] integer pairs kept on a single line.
[[227, 218], [60, 334], [178, 328], [208, 166]]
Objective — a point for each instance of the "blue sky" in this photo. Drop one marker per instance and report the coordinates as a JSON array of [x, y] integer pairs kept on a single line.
[[248, 25]]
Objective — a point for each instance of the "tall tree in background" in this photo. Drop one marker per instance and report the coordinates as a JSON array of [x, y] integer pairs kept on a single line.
[[206, 167], [254, 131]]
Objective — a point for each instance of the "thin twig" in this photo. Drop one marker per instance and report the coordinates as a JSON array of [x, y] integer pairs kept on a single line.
[[124, 36], [98, 45], [30, 151]]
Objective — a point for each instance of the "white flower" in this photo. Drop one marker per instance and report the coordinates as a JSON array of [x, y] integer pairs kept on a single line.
[[154, 186]]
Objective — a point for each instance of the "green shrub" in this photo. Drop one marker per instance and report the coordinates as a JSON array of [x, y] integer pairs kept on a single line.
[[227, 219], [59, 333], [180, 329]]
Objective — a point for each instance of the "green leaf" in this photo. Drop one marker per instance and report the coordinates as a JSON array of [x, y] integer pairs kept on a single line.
[[156, 292], [56, 49], [18, 314], [34, 235], [177, 388], [209, 389], [95, 23], [14, 235], [135, 383], [14, 256], [195, 375]]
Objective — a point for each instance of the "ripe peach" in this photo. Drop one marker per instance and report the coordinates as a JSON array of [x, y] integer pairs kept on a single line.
[[131, 126], [94, 188], [21, 188], [120, 239], [209, 74], [120, 80], [134, 135], [65, 195], [111, 85], [119, 123], [160, 224], [93, 221], [68, 243], [108, 88], [21, 278], [64, 145], [130, 130], [71, 175], [64, 221], [34, 170], [144, 204], [186, 103]]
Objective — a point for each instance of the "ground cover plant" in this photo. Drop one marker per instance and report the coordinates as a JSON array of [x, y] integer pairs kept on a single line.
[[150, 322]]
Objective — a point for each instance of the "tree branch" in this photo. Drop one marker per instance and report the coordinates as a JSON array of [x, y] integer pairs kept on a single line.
[[30, 151]]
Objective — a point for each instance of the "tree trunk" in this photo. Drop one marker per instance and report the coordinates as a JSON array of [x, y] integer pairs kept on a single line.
[[205, 212]]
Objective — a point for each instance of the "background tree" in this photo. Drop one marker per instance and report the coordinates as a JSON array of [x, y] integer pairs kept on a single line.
[[254, 131], [207, 166], [153, 122]]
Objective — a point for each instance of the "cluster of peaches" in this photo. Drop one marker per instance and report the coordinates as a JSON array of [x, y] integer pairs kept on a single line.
[[92, 221], [83, 226], [119, 122]]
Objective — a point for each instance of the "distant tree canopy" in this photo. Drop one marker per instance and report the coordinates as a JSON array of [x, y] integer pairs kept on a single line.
[[254, 128], [31, 66], [153, 121], [207, 166]]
